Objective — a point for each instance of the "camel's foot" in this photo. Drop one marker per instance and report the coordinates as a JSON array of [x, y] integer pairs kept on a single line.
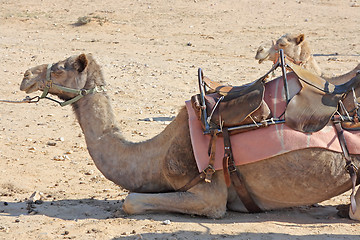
[[212, 206], [343, 210]]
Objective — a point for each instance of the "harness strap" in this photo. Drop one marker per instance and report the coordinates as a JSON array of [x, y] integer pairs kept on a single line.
[[80, 93], [210, 170], [192, 182], [349, 167], [236, 178], [48, 82]]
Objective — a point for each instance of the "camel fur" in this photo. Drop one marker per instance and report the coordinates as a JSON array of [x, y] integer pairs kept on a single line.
[[152, 170], [297, 48]]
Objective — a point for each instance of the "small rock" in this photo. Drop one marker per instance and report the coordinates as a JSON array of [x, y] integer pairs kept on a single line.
[[51, 144], [32, 149], [17, 220], [36, 196], [61, 139], [91, 172], [32, 212], [58, 158], [166, 222], [4, 229], [39, 202], [61, 158]]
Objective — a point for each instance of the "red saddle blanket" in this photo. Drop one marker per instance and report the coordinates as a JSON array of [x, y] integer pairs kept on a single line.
[[263, 143]]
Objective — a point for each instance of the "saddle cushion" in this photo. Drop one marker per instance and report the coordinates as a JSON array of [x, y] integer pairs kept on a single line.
[[263, 143], [231, 106]]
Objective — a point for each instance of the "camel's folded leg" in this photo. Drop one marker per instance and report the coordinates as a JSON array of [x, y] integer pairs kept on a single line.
[[356, 215], [200, 200]]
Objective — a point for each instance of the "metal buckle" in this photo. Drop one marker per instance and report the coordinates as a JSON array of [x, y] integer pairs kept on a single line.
[[209, 168], [232, 168], [350, 165]]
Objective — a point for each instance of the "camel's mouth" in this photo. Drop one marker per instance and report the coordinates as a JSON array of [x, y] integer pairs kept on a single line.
[[261, 60], [261, 57], [28, 87], [32, 88]]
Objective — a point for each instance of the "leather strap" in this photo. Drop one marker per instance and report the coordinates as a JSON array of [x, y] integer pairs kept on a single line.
[[210, 170], [192, 182], [236, 178], [349, 167]]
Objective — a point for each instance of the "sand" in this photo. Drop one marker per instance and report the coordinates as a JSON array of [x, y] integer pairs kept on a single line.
[[150, 52]]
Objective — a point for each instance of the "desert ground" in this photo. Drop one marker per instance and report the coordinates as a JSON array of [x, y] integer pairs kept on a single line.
[[149, 52]]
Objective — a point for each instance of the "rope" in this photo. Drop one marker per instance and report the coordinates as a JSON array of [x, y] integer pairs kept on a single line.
[[27, 99]]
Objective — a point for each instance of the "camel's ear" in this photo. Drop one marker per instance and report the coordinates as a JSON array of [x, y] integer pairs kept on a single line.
[[81, 62], [299, 39]]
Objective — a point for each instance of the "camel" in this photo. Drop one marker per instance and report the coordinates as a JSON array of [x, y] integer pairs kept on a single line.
[[297, 49], [153, 170]]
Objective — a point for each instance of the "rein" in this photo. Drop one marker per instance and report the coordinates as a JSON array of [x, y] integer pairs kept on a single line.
[[49, 84]]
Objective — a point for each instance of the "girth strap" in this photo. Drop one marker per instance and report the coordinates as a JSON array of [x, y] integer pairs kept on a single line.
[[236, 178], [349, 167]]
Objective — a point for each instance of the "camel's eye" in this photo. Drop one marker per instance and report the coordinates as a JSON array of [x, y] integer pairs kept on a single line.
[[282, 45], [58, 69]]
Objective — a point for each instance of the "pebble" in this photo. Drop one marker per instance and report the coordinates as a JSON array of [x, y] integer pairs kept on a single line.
[[51, 144], [61, 158], [91, 172], [166, 222], [36, 197], [4, 229], [32, 149]]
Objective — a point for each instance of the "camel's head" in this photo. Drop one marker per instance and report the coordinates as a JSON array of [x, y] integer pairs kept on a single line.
[[290, 43], [264, 53], [70, 73]]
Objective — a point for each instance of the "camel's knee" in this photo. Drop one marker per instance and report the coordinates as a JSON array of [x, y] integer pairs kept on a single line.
[[211, 203], [131, 205], [214, 210]]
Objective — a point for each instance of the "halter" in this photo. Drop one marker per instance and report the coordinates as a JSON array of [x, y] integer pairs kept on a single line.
[[79, 93]]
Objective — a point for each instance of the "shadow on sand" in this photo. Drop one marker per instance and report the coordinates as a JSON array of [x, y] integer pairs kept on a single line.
[[194, 235], [71, 209]]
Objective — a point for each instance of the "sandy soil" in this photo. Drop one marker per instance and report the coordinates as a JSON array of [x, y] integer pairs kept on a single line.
[[150, 52]]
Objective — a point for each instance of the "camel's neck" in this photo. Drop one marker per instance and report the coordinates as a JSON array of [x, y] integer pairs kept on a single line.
[[134, 166]]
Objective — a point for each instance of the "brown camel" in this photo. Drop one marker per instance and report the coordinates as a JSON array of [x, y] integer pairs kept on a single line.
[[152, 170], [297, 49]]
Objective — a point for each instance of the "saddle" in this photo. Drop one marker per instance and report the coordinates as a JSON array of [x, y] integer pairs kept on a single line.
[[229, 106]]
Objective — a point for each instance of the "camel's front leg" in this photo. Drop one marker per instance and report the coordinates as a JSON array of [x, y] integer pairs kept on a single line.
[[356, 215], [206, 199]]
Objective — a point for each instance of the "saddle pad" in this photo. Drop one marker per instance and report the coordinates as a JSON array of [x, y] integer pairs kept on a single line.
[[263, 143]]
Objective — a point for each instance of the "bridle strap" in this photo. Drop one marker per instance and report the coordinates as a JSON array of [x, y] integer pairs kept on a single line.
[[79, 93], [48, 82]]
